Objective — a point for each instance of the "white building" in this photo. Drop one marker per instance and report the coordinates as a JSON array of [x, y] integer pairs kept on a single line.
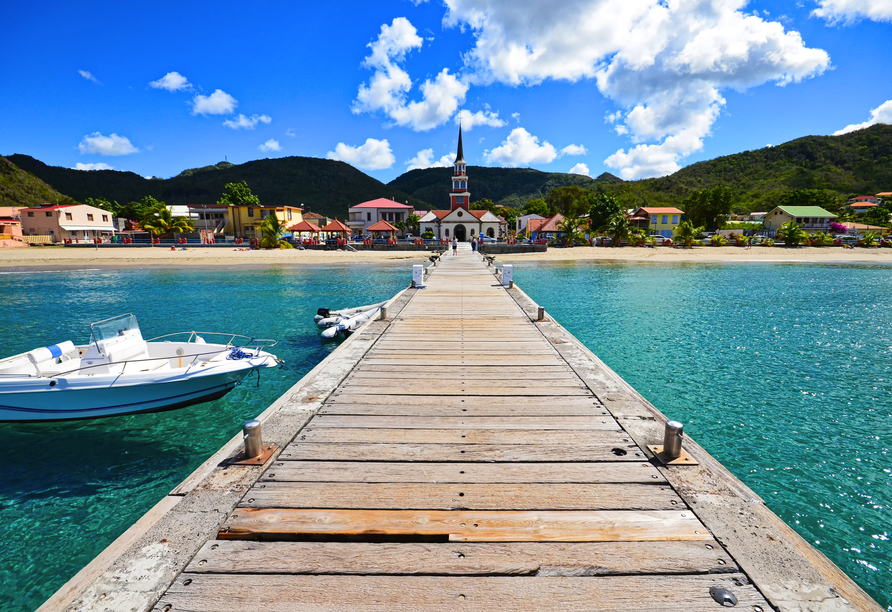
[[460, 221], [362, 216], [67, 222]]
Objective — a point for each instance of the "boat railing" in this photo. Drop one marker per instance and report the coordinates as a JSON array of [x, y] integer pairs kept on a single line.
[[198, 337]]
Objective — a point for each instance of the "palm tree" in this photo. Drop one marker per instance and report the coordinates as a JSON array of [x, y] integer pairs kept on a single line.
[[162, 221], [618, 228], [868, 240], [791, 234], [272, 230], [686, 233], [569, 227]]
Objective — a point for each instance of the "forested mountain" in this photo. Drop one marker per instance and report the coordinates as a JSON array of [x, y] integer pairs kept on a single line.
[[321, 185], [18, 188]]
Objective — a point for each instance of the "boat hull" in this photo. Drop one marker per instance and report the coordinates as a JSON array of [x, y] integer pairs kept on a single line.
[[34, 401]]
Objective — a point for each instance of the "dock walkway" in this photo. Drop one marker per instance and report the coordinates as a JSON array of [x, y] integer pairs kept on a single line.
[[462, 464], [460, 456]]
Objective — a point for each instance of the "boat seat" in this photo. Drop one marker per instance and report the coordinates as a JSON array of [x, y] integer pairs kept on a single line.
[[46, 359], [128, 350]]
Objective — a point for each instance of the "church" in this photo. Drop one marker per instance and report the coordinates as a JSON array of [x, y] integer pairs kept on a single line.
[[460, 221]]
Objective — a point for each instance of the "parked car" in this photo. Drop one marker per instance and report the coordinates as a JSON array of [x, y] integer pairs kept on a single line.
[[845, 239], [488, 240], [658, 239]]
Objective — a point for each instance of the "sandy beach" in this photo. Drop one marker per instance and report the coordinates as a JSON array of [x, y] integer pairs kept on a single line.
[[61, 258]]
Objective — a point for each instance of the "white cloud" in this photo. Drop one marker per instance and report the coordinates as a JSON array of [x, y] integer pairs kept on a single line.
[[489, 118], [579, 168], [172, 81], [218, 103], [113, 144], [516, 117], [270, 145], [290, 132], [373, 155], [574, 149], [88, 75], [99, 166], [521, 149], [850, 11], [881, 114], [425, 159], [665, 61], [249, 123], [387, 90]]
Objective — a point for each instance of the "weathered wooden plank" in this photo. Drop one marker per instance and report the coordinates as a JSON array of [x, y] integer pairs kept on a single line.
[[450, 400], [465, 409], [425, 496], [285, 593], [551, 437], [358, 471], [467, 525], [470, 422], [510, 558], [432, 359], [461, 452], [433, 387]]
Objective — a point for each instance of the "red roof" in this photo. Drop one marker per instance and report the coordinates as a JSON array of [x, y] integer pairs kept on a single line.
[[56, 207], [441, 213], [382, 226], [303, 226], [336, 226], [381, 203], [312, 215]]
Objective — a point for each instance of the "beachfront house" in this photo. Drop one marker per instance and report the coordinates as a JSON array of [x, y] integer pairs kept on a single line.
[[811, 219], [363, 216], [524, 220], [60, 223], [545, 229], [10, 223], [656, 220], [245, 221]]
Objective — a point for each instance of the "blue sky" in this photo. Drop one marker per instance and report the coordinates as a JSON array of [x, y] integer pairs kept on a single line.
[[635, 88]]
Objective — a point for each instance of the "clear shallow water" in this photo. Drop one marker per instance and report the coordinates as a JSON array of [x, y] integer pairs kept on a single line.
[[69, 489], [782, 372]]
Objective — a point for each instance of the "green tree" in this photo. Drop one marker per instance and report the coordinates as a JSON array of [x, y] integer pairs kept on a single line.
[[602, 208], [876, 216], [137, 211], [570, 201], [570, 230], [618, 228], [509, 215], [538, 207], [868, 240], [163, 222], [792, 234], [414, 221], [686, 233], [272, 232], [113, 207], [238, 194], [708, 207], [484, 204]]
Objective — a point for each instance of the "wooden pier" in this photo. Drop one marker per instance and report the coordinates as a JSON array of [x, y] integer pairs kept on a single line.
[[468, 457]]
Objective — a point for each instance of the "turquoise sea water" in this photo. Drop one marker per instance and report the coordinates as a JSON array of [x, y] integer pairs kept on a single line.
[[69, 489], [781, 371]]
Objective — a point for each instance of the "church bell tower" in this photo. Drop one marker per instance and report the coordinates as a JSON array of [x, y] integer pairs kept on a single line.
[[460, 196]]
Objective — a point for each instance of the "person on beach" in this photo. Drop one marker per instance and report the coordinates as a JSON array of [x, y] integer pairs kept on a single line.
[[455, 246]]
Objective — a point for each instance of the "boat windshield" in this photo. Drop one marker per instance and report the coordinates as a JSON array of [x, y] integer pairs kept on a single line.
[[110, 328]]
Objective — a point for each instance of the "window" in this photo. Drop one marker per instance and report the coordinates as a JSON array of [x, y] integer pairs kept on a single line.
[[289, 214], [105, 218], [447, 232], [665, 219], [368, 216], [654, 220], [48, 214], [89, 217], [250, 212], [674, 218], [30, 214], [460, 200]]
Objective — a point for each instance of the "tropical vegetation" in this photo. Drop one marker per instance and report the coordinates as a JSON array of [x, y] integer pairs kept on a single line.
[[686, 233], [792, 234], [272, 234], [617, 228], [161, 222]]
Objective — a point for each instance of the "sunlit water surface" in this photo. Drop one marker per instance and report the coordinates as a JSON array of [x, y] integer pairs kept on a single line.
[[782, 371]]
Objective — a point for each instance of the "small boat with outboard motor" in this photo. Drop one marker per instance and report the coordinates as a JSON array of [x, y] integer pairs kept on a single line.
[[327, 318], [345, 325], [119, 373]]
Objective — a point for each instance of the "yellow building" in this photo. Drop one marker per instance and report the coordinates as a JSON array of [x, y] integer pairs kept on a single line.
[[244, 221], [661, 221]]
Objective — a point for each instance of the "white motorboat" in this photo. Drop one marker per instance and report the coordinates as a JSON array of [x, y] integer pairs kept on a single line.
[[120, 373]]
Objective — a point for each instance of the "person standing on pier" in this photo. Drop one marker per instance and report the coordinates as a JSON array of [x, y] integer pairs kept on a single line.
[[454, 246], [474, 244]]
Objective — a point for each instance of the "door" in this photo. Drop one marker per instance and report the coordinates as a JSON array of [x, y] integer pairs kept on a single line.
[[460, 233]]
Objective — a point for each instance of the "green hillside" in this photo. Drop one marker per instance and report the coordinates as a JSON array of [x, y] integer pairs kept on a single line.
[[321, 185], [852, 164], [509, 187], [18, 188]]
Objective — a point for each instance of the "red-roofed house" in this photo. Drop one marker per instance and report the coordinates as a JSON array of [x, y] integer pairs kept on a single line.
[[67, 222], [364, 216], [864, 198], [655, 220], [545, 228], [460, 221], [861, 206]]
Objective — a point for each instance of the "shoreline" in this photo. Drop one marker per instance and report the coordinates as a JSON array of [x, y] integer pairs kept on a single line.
[[54, 259]]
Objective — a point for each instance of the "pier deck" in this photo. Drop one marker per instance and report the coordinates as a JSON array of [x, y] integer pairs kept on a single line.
[[475, 459]]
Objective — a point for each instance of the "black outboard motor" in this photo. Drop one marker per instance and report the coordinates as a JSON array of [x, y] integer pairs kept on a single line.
[[323, 312]]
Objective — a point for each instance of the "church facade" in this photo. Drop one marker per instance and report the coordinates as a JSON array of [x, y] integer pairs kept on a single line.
[[460, 221]]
